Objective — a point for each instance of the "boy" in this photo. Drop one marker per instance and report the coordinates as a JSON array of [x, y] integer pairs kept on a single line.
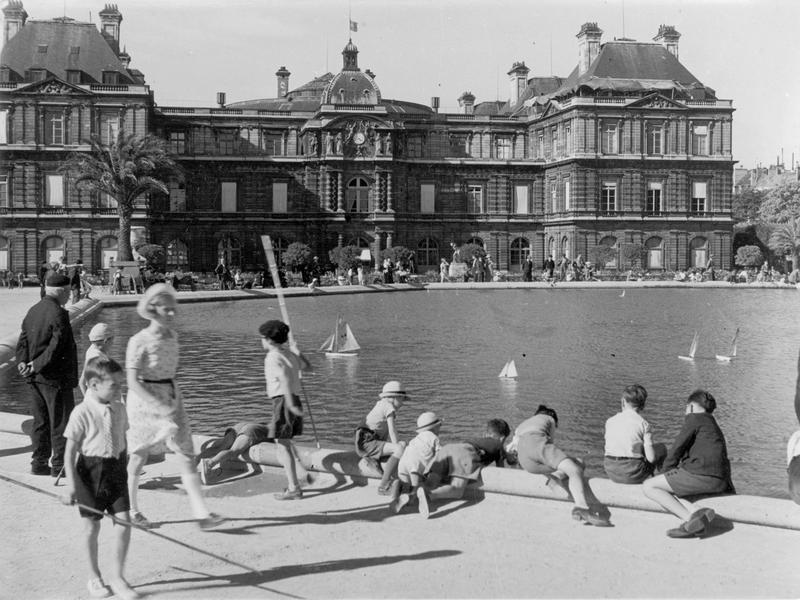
[[416, 461], [98, 478], [100, 337], [457, 465], [630, 455]]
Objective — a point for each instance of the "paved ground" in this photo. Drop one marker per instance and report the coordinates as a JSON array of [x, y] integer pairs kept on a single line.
[[340, 541]]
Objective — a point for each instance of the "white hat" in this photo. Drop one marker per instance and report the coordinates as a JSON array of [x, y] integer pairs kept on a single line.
[[100, 332], [427, 420], [392, 388], [145, 307]]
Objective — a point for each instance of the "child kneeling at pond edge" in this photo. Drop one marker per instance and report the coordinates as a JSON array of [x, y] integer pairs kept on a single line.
[[416, 462], [697, 464]]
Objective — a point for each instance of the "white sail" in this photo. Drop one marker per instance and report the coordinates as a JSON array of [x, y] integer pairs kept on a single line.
[[342, 342], [692, 348], [509, 370], [350, 343], [727, 357], [328, 344]]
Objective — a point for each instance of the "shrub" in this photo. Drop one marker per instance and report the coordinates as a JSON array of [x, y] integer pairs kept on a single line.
[[297, 256], [749, 256], [346, 257]]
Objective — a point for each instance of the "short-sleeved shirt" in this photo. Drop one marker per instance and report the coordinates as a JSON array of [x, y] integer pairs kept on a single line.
[[378, 416], [85, 427], [625, 434], [420, 452], [540, 424], [282, 368]]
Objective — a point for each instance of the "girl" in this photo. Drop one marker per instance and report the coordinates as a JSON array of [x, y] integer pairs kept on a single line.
[[282, 374], [377, 437], [533, 442], [155, 408], [100, 337], [696, 464]]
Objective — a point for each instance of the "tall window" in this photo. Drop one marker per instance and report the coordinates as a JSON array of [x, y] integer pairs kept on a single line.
[[177, 196], [655, 139], [4, 198], [4, 262], [177, 142], [567, 195], [653, 200], [54, 128], [110, 77], [280, 195], [271, 143], [475, 240], [230, 250], [503, 148], [608, 196], [3, 126], [655, 253], [518, 251], [228, 196], [700, 140], [568, 140], [225, 142], [474, 198], [107, 247], [358, 195], [427, 198], [554, 141], [541, 145], [699, 252], [610, 242], [553, 197], [105, 201], [609, 139], [109, 128], [699, 202], [53, 249], [177, 255], [521, 206], [428, 252], [54, 190]]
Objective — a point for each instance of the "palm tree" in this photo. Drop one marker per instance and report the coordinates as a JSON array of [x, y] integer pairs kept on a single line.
[[785, 239], [125, 170]]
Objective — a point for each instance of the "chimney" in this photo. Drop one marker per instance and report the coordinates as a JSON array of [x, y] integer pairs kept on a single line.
[[435, 103], [668, 36], [125, 58], [14, 18], [518, 79], [588, 45], [110, 19], [466, 101], [221, 99], [283, 81]]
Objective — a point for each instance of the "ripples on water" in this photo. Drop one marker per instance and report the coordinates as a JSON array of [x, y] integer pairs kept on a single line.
[[575, 351]]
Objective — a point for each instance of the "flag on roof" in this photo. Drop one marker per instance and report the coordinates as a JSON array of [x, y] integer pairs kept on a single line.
[[353, 25]]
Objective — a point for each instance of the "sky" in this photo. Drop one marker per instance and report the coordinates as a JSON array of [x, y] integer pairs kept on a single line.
[[190, 49]]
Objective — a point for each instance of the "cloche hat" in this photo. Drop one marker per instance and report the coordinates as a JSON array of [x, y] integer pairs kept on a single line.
[[145, 305], [392, 388], [427, 420]]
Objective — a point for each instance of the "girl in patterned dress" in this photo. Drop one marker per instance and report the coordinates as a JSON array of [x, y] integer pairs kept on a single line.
[[155, 408]]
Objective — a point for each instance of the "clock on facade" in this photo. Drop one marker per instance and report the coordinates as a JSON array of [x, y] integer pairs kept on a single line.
[[359, 138]]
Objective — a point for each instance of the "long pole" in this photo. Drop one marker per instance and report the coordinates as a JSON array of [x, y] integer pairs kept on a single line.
[[276, 281]]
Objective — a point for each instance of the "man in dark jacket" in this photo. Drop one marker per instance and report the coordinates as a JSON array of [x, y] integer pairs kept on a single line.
[[48, 358]]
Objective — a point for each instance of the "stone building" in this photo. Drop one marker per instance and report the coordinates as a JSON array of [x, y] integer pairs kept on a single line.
[[628, 149]]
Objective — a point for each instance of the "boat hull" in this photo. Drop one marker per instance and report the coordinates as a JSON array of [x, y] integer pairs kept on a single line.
[[341, 354]]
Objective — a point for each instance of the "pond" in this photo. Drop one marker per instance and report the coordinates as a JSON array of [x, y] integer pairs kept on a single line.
[[575, 350]]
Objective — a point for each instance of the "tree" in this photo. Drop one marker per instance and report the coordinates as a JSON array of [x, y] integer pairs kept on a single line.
[[346, 257], [398, 254], [153, 254], [746, 204], [297, 256], [749, 256], [471, 251], [126, 170], [601, 255], [634, 254], [781, 209]]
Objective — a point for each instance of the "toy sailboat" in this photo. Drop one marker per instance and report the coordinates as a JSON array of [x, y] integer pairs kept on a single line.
[[732, 355], [341, 342], [622, 295], [509, 370], [692, 348]]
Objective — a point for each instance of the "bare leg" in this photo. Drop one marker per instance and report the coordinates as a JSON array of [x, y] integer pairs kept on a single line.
[[451, 491], [577, 485], [240, 445], [191, 483], [659, 490], [286, 458], [91, 527], [135, 463], [122, 534]]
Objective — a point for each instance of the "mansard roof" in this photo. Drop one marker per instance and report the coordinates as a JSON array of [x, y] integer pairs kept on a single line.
[[626, 66], [51, 45]]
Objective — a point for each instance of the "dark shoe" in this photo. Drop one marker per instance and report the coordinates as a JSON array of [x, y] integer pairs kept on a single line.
[[211, 521], [58, 472], [699, 520], [588, 517], [288, 494], [681, 532], [40, 469]]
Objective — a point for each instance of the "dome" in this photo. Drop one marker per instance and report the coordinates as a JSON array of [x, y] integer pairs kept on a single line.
[[351, 87]]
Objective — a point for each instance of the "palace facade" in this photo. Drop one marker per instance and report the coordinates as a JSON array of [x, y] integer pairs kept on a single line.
[[630, 148]]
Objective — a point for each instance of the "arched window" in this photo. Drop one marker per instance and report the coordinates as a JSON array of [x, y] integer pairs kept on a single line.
[[4, 258], [107, 249], [177, 255], [428, 252], [551, 248], [358, 195], [519, 250], [611, 242], [565, 246], [475, 240], [655, 252], [699, 252], [229, 249], [359, 242], [53, 249]]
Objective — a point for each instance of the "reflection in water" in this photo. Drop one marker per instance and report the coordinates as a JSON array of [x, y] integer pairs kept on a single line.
[[574, 350]]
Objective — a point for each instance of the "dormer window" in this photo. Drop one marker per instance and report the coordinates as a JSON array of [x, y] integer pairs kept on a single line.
[[37, 74], [110, 77], [74, 77], [5, 74], [42, 49], [110, 29]]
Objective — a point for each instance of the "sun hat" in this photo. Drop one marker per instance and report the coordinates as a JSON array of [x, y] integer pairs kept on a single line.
[[100, 332], [145, 305], [427, 420], [57, 280], [392, 388], [275, 330]]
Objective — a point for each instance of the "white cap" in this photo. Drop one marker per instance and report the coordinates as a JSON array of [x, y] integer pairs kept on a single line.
[[100, 332]]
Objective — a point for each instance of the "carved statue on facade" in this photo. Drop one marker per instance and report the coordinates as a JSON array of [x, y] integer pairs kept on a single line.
[[337, 143], [328, 143], [312, 144]]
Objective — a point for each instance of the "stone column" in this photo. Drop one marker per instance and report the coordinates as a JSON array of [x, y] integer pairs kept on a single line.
[[340, 240], [339, 193], [376, 251], [389, 207]]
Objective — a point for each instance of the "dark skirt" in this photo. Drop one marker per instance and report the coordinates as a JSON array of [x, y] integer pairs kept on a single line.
[[285, 424]]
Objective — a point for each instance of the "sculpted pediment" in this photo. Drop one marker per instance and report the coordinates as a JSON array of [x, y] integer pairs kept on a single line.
[[654, 101], [55, 87]]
